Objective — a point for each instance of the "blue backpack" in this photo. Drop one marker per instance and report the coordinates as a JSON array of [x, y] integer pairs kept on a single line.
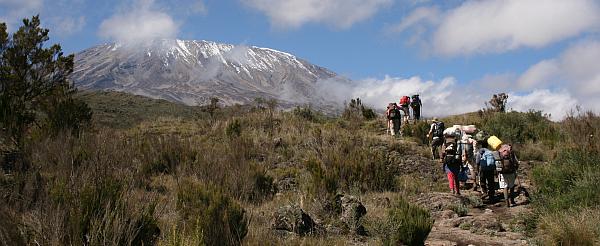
[[486, 160]]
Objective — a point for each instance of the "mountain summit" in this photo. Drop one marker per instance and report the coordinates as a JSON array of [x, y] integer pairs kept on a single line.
[[192, 72]]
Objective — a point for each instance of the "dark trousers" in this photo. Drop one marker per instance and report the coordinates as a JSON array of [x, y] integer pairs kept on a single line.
[[487, 183], [416, 113], [435, 144]]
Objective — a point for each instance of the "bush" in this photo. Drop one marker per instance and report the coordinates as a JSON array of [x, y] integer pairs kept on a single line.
[[570, 228], [307, 113], [460, 209], [220, 220], [518, 128], [234, 128], [418, 131], [409, 224], [345, 162], [571, 180]]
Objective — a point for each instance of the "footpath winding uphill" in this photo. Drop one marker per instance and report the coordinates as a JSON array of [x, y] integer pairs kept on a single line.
[[466, 219]]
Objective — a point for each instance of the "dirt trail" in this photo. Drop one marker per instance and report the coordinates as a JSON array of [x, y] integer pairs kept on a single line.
[[492, 224], [479, 223]]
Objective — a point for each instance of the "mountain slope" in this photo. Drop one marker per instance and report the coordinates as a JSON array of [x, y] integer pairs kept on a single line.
[[192, 72]]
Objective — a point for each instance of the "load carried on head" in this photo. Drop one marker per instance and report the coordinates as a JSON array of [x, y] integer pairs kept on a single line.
[[458, 130]]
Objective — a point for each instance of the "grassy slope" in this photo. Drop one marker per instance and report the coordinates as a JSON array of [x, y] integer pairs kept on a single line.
[[191, 146], [123, 110]]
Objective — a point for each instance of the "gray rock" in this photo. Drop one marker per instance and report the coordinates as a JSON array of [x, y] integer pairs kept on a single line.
[[293, 219], [352, 211], [286, 184]]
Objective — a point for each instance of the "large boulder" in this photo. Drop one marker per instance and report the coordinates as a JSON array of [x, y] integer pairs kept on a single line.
[[293, 219], [352, 211]]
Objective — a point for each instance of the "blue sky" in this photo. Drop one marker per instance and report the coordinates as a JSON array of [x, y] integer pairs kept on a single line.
[[545, 53]]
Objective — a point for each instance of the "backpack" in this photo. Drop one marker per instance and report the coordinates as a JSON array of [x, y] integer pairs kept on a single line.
[[438, 129], [404, 101], [466, 147], [394, 114], [481, 136], [415, 102], [505, 150], [486, 159], [509, 161]]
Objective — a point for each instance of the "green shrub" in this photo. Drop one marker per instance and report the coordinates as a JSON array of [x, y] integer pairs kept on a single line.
[[234, 128], [307, 113], [119, 226], [346, 162], [518, 128], [221, 220], [570, 228], [262, 184], [409, 224], [417, 130], [571, 180], [460, 209]]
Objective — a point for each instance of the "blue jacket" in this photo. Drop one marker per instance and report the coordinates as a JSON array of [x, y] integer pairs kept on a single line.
[[486, 159]]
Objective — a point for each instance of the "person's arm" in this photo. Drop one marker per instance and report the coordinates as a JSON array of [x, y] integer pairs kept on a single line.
[[430, 130]]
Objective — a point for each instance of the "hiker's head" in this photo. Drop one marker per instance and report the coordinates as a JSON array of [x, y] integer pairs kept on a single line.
[[435, 119], [484, 144]]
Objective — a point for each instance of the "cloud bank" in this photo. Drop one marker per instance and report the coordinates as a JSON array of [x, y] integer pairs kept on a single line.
[[575, 70], [443, 97], [496, 26], [338, 13], [140, 22]]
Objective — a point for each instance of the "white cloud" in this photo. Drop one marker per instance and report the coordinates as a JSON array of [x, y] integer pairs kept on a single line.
[[495, 26], [446, 96], [557, 104], [576, 69], [440, 98], [422, 15], [539, 74], [338, 13], [139, 23], [13, 11]]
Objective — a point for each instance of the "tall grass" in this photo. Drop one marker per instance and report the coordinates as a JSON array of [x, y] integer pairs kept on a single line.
[[566, 188], [407, 225]]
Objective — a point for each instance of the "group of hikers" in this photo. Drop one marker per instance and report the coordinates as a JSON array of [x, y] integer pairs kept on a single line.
[[397, 114], [464, 154], [481, 156]]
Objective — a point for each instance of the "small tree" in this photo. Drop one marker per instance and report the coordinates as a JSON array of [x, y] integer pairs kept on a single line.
[[213, 106], [356, 110], [498, 102], [33, 83]]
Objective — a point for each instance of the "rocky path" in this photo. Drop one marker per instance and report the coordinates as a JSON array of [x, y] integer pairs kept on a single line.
[[466, 220]]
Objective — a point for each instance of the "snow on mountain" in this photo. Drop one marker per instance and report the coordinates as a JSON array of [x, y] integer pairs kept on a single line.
[[192, 72]]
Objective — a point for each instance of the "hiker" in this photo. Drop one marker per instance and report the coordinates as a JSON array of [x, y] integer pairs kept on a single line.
[[466, 149], [415, 104], [453, 166], [508, 171], [393, 117], [436, 133], [487, 167], [404, 104]]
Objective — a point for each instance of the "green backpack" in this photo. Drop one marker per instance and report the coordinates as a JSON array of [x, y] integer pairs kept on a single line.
[[481, 136]]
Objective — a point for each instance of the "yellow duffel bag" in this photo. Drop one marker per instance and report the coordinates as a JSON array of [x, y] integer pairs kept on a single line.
[[494, 142]]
